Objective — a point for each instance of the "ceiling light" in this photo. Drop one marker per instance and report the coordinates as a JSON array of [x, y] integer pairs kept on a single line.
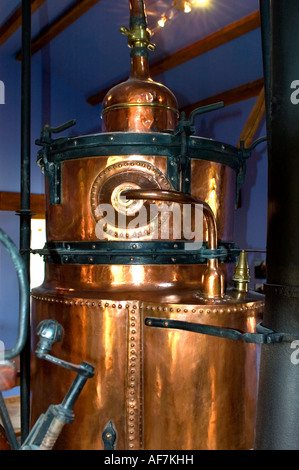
[[162, 21], [187, 7], [182, 5], [201, 3]]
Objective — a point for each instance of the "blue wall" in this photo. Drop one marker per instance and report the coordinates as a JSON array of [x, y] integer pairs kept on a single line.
[[53, 102]]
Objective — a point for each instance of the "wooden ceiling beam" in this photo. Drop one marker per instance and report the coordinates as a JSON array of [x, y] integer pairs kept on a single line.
[[253, 121], [72, 14], [232, 96], [220, 37], [14, 22], [10, 201]]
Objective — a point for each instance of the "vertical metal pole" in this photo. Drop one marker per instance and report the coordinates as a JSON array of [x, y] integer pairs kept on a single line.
[[25, 213], [265, 12], [277, 426]]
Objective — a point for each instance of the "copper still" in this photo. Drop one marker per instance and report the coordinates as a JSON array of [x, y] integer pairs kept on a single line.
[[154, 388]]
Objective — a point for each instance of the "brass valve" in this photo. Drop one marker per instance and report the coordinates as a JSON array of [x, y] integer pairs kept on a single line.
[[138, 36]]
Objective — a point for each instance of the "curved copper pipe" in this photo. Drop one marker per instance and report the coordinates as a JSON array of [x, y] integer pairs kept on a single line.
[[212, 280], [180, 198]]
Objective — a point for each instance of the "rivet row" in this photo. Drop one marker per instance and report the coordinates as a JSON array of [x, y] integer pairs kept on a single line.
[[228, 308]]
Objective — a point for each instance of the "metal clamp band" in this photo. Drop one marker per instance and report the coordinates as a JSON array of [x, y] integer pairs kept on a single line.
[[134, 252]]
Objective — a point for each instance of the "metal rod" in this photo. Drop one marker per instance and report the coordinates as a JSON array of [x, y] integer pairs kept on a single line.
[[7, 424], [25, 213], [265, 12]]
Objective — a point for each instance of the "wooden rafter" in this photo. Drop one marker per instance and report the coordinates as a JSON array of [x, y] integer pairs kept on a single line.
[[232, 96], [71, 15], [224, 35], [14, 22], [253, 121], [10, 201], [251, 126]]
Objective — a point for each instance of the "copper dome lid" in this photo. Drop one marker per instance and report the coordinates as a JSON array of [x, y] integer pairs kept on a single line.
[[139, 104]]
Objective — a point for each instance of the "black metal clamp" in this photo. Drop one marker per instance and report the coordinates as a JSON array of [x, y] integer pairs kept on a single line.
[[244, 154], [52, 170]]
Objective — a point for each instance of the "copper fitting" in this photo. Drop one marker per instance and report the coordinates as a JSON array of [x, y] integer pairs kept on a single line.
[[241, 275]]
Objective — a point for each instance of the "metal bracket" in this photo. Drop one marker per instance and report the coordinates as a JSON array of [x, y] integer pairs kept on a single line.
[[185, 128], [109, 437], [245, 153], [263, 336], [52, 170], [173, 172]]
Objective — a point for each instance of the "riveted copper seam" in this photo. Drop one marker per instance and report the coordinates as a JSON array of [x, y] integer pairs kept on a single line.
[[135, 382]]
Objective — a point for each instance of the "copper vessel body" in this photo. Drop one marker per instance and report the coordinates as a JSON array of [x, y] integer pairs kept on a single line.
[[161, 389], [74, 219], [4, 444]]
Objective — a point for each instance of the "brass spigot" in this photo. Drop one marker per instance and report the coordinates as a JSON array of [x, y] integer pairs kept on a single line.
[[241, 276]]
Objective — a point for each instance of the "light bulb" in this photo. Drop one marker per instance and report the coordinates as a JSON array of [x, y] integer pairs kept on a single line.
[[162, 21], [201, 3], [187, 7]]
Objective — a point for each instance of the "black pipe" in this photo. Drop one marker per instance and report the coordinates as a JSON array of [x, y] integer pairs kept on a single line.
[[25, 213], [277, 426], [265, 13]]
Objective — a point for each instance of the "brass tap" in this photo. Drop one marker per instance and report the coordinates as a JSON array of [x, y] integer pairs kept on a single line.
[[241, 276], [138, 36]]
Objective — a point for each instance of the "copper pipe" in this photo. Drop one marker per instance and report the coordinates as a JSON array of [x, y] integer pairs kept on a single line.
[[212, 280], [137, 9], [180, 198]]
